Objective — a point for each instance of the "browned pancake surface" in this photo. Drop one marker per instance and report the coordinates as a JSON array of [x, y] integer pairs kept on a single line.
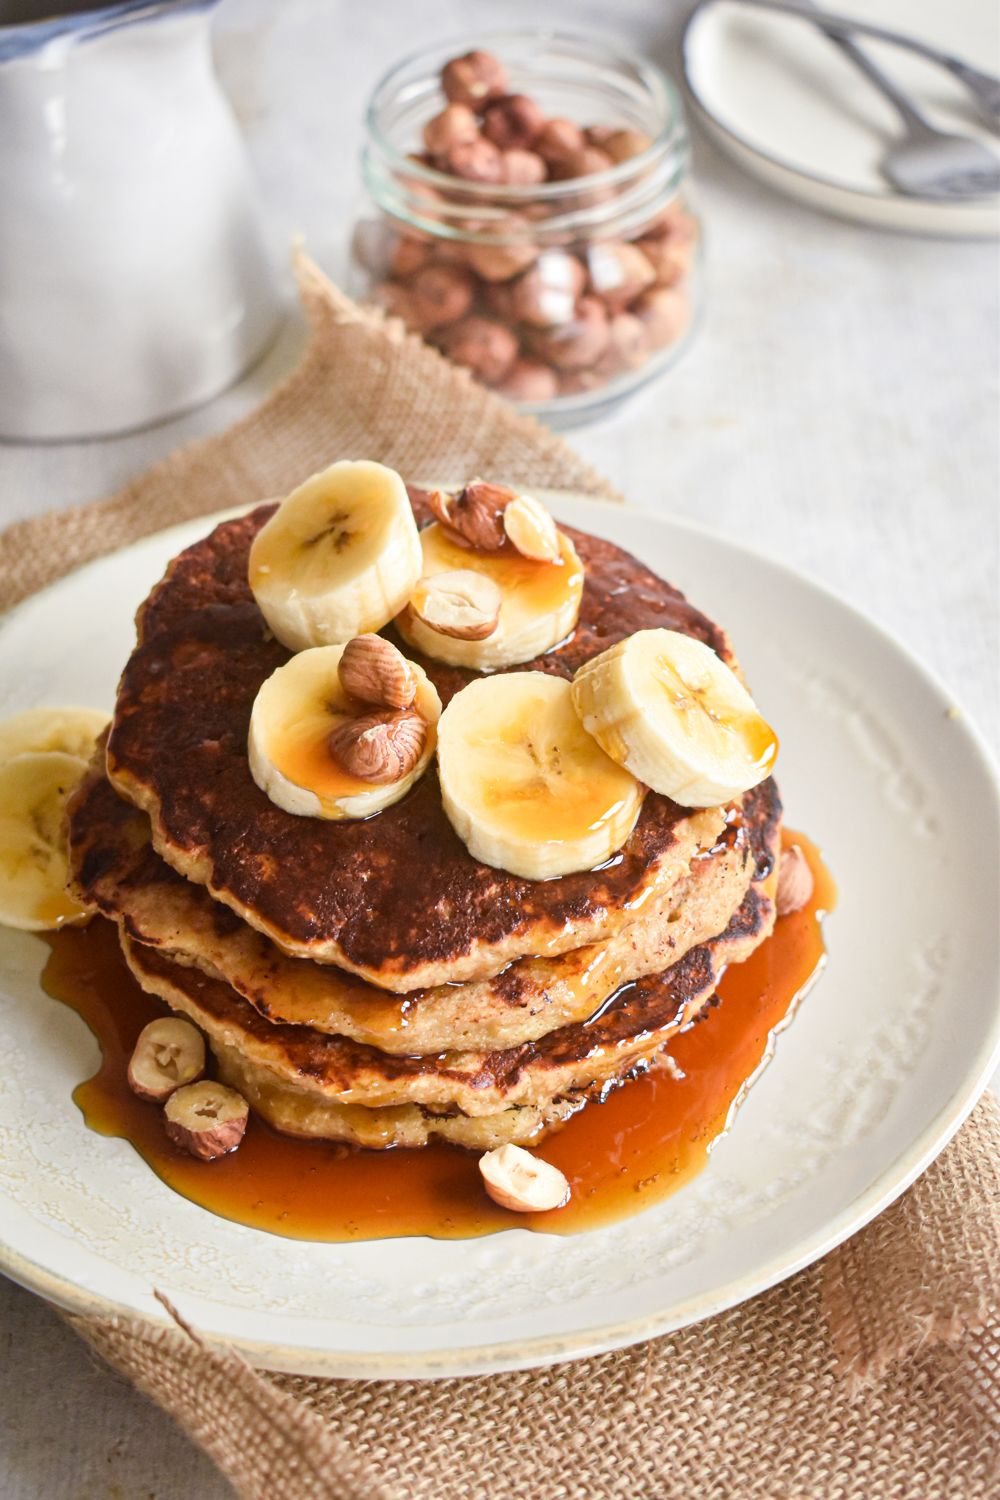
[[396, 897]]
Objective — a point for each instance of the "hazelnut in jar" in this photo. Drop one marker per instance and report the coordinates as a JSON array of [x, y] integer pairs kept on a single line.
[[529, 214]]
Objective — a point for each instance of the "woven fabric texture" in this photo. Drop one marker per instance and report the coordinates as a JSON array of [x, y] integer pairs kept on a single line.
[[874, 1375]]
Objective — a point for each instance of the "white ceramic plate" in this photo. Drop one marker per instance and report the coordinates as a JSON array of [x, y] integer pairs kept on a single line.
[[781, 99], [882, 1063]]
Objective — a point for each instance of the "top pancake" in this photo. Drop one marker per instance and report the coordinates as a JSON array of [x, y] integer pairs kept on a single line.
[[396, 898]]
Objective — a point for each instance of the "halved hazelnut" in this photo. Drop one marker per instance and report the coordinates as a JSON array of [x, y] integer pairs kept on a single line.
[[459, 603], [169, 1052], [475, 514], [379, 747], [206, 1119], [474, 79], [372, 670], [521, 1182], [531, 529], [795, 881]]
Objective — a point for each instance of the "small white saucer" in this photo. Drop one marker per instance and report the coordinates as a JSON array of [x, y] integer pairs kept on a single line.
[[781, 99]]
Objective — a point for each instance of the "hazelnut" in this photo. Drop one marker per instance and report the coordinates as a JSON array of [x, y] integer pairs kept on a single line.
[[474, 79], [628, 344], [531, 529], [379, 747], [454, 126], [168, 1053], [396, 301], [558, 142], [485, 347], [670, 258], [513, 122], [672, 220], [459, 603], [579, 343], [373, 671], [408, 255], [475, 513], [511, 252], [664, 312], [618, 273], [530, 380], [521, 1182], [441, 294], [795, 881], [547, 294], [475, 161], [523, 168], [622, 145], [585, 163], [599, 135], [498, 296], [206, 1119]]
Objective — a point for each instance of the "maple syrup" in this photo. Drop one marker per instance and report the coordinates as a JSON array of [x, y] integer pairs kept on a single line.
[[540, 588], [641, 1143]]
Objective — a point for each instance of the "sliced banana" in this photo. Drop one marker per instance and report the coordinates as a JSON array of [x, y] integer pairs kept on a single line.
[[524, 786], [338, 558], [294, 715], [33, 862], [666, 707], [540, 602], [71, 730]]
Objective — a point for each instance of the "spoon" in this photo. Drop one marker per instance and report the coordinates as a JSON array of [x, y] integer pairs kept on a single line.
[[984, 87]]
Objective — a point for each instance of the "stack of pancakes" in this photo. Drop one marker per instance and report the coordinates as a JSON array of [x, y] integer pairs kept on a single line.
[[370, 981]]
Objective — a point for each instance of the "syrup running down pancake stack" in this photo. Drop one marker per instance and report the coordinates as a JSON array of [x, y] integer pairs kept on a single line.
[[370, 980]]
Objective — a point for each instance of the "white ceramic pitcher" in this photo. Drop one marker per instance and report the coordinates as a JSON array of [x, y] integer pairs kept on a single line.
[[134, 279]]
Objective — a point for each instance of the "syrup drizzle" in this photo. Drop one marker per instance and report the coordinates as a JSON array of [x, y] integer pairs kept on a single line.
[[640, 1144]]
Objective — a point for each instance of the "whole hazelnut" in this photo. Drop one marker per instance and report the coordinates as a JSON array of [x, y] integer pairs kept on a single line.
[[622, 145], [484, 346], [474, 79], [628, 345], [558, 142], [513, 122], [396, 301], [672, 220], [477, 161], [498, 297], [586, 162], [546, 295], [529, 380], [579, 343], [664, 312], [454, 126], [599, 135], [441, 294], [523, 168], [509, 250], [408, 255], [618, 272], [670, 258]]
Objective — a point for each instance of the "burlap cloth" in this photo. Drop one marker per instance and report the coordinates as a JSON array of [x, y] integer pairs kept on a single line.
[[873, 1374]]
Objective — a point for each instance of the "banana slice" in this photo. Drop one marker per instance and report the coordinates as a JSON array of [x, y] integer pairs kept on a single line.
[[302, 706], [33, 864], [524, 786], [338, 558], [540, 602], [666, 707], [71, 730]]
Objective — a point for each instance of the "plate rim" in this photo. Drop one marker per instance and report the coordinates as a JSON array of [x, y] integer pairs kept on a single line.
[[883, 210], [552, 1349]]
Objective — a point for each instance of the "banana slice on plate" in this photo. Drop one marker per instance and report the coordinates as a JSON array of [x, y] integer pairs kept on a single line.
[[319, 751], [339, 557], [666, 707], [71, 730], [34, 789], [538, 601], [524, 786]]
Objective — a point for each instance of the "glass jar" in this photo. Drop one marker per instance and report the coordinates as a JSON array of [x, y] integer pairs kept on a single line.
[[564, 295]]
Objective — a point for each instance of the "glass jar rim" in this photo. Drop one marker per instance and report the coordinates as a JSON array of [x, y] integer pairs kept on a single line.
[[660, 89]]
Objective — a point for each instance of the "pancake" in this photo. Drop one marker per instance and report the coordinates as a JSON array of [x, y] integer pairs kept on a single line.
[[116, 869], [632, 1025], [355, 894]]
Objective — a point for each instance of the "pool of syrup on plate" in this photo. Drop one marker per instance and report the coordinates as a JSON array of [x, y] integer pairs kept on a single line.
[[643, 1142]]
